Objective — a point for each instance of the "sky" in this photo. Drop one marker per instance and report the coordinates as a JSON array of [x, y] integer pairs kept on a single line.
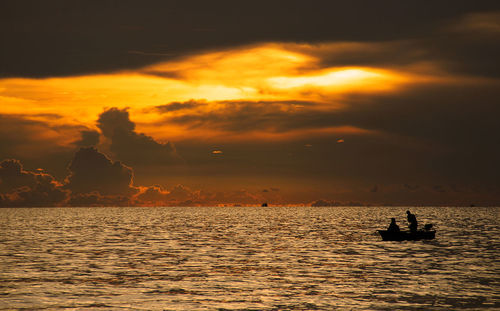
[[244, 102]]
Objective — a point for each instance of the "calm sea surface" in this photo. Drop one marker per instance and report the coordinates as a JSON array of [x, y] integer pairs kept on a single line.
[[237, 258]]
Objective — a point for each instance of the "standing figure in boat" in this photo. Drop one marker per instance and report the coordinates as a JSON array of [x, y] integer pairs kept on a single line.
[[412, 220], [393, 227]]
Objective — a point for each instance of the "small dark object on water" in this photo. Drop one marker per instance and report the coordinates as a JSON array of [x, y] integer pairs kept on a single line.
[[408, 235], [394, 234]]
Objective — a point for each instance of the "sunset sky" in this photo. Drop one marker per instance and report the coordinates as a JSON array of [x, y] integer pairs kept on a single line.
[[244, 102]]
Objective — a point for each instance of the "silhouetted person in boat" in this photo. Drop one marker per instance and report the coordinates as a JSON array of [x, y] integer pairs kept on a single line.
[[393, 227], [413, 221]]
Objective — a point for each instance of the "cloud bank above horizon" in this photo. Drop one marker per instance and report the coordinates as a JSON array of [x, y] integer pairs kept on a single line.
[[325, 109]]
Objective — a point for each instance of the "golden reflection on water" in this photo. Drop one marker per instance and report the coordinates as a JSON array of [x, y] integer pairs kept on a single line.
[[253, 258]]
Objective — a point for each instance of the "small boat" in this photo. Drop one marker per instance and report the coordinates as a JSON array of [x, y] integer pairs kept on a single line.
[[407, 235]]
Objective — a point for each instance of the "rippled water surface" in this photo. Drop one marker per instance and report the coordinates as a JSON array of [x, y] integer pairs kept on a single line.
[[246, 259]]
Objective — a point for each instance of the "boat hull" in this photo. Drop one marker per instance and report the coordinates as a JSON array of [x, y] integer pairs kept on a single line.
[[407, 235]]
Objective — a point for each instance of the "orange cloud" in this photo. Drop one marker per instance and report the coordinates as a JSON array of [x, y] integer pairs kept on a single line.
[[342, 80], [265, 72]]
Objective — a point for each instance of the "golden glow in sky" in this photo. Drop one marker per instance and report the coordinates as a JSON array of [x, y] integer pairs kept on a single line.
[[340, 79], [325, 109], [268, 72]]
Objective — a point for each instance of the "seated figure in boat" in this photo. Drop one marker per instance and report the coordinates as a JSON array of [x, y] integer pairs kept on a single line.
[[413, 224], [393, 227]]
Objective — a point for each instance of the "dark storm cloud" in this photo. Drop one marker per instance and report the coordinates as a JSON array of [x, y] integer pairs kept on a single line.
[[19, 187], [58, 37], [92, 171], [131, 147], [89, 138], [113, 120], [93, 180], [12, 176]]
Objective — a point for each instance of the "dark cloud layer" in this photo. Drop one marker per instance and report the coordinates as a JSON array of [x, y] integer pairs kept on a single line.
[[242, 116], [13, 176], [92, 171], [456, 117], [457, 52], [131, 147], [89, 138], [19, 187], [56, 37], [93, 180], [444, 131], [428, 139]]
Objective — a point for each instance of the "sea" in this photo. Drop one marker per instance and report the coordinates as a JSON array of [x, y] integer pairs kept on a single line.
[[246, 258]]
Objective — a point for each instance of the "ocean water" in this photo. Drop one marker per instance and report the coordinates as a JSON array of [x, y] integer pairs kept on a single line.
[[240, 258]]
